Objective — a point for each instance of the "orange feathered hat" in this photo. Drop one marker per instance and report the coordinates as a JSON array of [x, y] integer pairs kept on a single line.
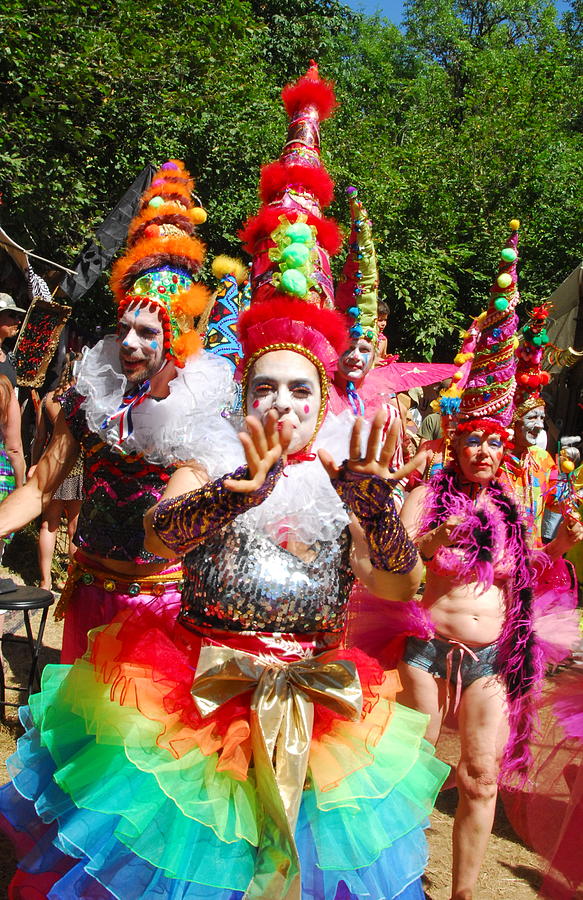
[[163, 258]]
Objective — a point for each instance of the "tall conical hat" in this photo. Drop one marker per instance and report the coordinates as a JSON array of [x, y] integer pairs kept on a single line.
[[490, 388], [357, 290], [290, 239], [163, 258], [530, 376]]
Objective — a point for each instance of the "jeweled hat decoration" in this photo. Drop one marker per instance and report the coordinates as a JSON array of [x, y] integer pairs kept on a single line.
[[290, 239], [530, 376], [163, 258], [357, 290], [490, 389]]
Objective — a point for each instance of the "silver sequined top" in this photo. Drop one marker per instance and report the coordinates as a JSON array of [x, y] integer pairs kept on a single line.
[[241, 581]]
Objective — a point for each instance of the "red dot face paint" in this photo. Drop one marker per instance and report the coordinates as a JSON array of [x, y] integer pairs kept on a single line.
[[306, 408], [255, 404]]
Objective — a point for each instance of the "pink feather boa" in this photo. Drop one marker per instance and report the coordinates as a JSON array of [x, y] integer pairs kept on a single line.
[[490, 543]]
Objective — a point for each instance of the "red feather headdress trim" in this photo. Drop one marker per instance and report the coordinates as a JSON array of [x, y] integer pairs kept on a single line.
[[276, 176], [310, 91]]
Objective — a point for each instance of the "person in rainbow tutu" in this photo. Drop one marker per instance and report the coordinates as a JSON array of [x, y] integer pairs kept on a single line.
[[244, 752]]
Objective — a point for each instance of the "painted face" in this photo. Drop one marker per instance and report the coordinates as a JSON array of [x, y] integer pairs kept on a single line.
[[479, 455], [141, 339], [290, 384], [528, 428], [357, 360]]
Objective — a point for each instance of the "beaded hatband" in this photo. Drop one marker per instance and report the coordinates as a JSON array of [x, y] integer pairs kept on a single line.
[[295, 348], [529, 403]]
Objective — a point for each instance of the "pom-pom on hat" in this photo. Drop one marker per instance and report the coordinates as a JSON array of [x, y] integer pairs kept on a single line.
[[357, 290], [163, 258], [290, 240], [530, 376], [491, 384]]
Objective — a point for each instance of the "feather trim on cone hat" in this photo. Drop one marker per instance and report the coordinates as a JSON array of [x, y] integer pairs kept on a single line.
[[163, 258]]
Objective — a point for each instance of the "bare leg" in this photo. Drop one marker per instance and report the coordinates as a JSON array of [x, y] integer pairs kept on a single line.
[[426, 693], [72, 509], [483, 731], [47, 539]]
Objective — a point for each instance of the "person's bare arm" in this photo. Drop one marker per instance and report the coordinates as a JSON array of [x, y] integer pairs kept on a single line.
[[53, 407], [569, 533], [40, 436], [28, 502], [187, 478], [13, 439]]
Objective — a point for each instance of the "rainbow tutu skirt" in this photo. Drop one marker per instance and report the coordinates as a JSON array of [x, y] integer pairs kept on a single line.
[[122, 788]]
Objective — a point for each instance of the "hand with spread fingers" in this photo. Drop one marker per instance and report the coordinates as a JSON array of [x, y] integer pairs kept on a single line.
[[264, 446], [378, 453]]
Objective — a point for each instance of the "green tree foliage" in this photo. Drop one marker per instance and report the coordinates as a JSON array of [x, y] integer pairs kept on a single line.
[[470, 115]]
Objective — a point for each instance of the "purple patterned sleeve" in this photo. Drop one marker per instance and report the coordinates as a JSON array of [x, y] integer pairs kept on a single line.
[[185, 521], [370, 499], [71, 404]]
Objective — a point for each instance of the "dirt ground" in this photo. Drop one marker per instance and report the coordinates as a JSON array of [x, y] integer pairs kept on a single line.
[[511, 870]]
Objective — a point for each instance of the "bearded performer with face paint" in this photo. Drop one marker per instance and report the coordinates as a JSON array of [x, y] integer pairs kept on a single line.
[[482, 659], [136, 410], [245, 753]]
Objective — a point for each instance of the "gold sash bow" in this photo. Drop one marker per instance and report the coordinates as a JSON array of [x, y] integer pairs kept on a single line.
[[282, 717]]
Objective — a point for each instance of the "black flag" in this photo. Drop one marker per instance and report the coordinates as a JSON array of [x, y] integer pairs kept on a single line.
[[98, 252]]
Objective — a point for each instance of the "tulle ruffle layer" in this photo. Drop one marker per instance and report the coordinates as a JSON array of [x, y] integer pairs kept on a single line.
[[112, 773], [548, 816]]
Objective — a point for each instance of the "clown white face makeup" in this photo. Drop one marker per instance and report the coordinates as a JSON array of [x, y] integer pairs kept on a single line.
[[141, 339], [355, 362], [528, 429], [290, 384], [479, 455]]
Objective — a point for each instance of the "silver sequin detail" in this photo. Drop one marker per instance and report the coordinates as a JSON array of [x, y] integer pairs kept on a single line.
[[241, 581]]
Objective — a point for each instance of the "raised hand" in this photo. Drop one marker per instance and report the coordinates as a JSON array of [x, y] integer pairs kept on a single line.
[[263, 447], [378, 453]]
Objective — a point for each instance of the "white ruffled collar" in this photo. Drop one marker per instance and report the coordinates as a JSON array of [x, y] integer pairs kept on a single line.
[[303, 505], [188, 424]]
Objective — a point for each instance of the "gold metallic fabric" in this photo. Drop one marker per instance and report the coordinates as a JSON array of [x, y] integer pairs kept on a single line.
[[282, 716]]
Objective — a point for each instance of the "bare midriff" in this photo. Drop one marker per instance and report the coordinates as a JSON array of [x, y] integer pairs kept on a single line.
[[464, 612], [126, 567]]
